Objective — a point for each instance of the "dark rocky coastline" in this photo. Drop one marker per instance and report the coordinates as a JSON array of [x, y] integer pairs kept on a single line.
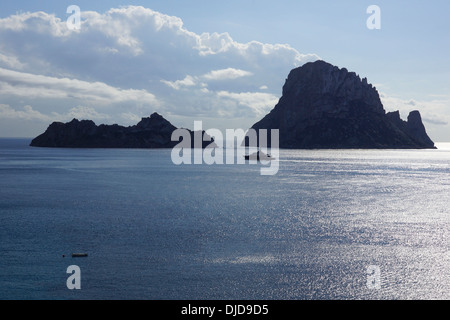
[[152, 132]]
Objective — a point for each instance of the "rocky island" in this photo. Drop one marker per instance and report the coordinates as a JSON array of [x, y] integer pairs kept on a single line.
[[324, 107], [152, 132]]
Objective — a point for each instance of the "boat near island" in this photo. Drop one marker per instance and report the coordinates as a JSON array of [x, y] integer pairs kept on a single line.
[[259, 156]]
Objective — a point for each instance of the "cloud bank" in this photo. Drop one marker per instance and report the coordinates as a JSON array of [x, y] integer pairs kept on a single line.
[[131, 61], [128, 62]]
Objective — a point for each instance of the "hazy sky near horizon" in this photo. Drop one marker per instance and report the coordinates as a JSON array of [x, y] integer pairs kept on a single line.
[[223, 62]]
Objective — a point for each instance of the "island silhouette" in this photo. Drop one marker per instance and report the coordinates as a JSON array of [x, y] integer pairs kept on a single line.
[[322, 107]]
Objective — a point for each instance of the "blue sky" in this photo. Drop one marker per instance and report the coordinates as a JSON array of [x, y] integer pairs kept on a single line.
[[408, 60]]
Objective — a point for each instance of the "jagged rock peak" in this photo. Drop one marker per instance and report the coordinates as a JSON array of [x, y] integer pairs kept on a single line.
[[330, 83], [155, 121], [323, 106]]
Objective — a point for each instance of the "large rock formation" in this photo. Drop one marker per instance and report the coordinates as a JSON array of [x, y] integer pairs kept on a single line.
[[152, 132], [323, 106]]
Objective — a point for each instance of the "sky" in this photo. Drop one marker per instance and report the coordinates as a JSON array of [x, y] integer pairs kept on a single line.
[[222, 62]]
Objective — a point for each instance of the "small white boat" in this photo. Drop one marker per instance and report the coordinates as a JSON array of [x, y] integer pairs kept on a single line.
[[259, 156], [79, 255]]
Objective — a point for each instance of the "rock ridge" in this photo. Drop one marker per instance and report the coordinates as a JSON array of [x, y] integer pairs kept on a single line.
[[152, 132], [323, 106]]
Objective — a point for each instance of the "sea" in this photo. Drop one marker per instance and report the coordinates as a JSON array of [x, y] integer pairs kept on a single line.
[[329, 225]]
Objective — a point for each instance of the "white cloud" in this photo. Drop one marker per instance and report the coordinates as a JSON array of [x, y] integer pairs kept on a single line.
[[28, 113], [136, 61], [214, 75], [226, 74], [259, 102], [35, 22], [37, 86], [189, 81], [10, 62]]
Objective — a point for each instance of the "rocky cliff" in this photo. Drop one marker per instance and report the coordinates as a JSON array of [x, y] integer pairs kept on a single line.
[[152, 132], [323, 106]]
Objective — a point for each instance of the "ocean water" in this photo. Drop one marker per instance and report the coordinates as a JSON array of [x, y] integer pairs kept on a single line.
[[332, 224]]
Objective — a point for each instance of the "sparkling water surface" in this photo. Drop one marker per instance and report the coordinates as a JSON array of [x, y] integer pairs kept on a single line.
[[155, 230]]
